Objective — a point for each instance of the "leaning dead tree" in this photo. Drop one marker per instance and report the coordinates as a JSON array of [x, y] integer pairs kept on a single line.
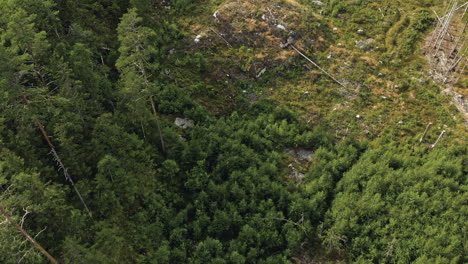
[[446, 48], [289, 43], [425, 133], [57, 159], [155, 115], [9, 219], [439, 139], [142, 69], [316, 65]]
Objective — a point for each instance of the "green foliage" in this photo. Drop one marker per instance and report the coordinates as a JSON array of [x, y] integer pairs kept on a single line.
[[426, 189], [418, 25], [222, 191]]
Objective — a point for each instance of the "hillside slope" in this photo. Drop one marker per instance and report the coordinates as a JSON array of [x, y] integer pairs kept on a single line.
[[229, 131]]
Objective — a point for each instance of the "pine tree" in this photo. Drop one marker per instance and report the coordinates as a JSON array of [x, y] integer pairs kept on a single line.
[[137, 64]]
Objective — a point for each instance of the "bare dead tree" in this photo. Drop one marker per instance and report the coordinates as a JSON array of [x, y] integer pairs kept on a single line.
[[425, 132], [446, 48], [221, 37], [153, 106], [455, 64], [462, 70], [316, 65], [459, 37], [445, 27], [141, 66], [439, 139], [9, 219], [57, 159]]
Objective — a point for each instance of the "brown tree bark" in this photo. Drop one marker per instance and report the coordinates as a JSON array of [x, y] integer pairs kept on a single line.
[[28, 237]]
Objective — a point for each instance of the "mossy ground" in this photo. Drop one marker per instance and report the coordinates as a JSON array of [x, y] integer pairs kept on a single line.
[[386, 83]]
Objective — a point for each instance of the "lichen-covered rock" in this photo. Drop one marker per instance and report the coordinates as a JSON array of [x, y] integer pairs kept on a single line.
[[317, 2], [300, 154], [184, 122], [304, 154], [366, 44]]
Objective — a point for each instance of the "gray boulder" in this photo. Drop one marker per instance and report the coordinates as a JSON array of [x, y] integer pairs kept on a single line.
[[366, 44], [183, 122]]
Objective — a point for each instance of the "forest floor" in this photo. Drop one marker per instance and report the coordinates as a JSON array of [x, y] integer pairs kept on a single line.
[[242, 40]]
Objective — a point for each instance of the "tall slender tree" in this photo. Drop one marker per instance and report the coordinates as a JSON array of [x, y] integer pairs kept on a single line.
[[138, 63]]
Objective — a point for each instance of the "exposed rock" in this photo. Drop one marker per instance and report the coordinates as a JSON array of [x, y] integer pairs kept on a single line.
[[291, 152], [253, 97], [295, 175], [460, 101], [288, 42], [366, 44], [261, 24], [304, 154], [281, 27], [183, 122], [300, 176], [317, 2], [300, 154]]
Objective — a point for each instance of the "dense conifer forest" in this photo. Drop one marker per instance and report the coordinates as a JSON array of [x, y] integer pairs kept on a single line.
[[232, 131]]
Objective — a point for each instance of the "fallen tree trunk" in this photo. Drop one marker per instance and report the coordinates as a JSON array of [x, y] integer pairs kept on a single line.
[[57, 159], [316, 65], [28, 237]]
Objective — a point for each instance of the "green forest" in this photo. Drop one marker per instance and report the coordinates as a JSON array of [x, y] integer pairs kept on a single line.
[[230, 132]]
